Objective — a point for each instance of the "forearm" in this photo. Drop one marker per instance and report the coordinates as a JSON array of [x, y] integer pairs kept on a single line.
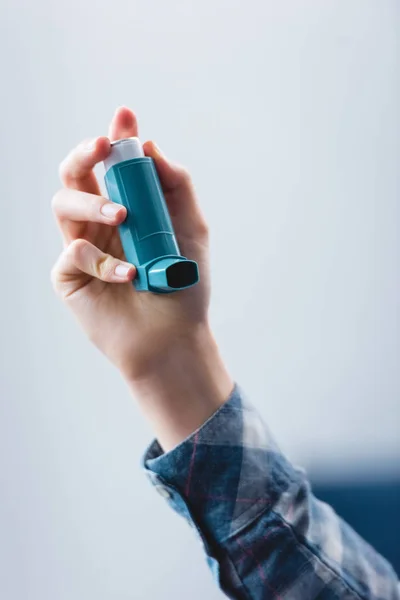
[[265, 533], [185, 387]]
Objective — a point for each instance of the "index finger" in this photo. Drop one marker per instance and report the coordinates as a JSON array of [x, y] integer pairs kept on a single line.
[[123, 124], [76, 170]]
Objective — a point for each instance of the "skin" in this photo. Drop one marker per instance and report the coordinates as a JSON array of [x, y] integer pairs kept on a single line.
[[161, 344]]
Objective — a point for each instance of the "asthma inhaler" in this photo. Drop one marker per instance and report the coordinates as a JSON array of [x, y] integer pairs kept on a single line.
[[147, 235]]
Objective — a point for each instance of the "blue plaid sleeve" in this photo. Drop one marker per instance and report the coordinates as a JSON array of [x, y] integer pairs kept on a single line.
[[266, 536]]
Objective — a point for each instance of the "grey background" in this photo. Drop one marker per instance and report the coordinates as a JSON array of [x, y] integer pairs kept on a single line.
[[287, 115]]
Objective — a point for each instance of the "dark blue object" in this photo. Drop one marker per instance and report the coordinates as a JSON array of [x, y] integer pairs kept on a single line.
[[372, 508]]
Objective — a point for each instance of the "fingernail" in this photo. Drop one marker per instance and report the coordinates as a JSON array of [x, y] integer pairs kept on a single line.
[[110, 209], [122, 270]]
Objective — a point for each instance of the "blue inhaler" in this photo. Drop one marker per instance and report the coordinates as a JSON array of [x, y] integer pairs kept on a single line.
[[147, 235]]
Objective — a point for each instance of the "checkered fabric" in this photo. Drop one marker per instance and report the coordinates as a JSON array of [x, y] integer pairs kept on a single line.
[[265, 535]]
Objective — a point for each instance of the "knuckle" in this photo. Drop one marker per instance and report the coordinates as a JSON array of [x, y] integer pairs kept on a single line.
[[75, 250], [202, 228], [63, 169], [185, 176], [204, 233], [55, 201], [65, 166], [104, 267], [55, 277], [93, 203]]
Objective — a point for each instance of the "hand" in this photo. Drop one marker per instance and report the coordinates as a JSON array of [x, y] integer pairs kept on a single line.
[[139, 332], [133, 329]]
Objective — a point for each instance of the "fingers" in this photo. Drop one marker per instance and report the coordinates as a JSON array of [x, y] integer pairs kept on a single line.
[[71, 205], [83, 257], [179, 194], [73, 211], [76, 170], [123, 124]]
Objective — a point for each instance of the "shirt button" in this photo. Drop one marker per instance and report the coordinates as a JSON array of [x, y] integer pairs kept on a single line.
[[163, 491]]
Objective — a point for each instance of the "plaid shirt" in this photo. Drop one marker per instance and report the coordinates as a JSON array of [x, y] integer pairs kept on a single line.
[[265, 534]]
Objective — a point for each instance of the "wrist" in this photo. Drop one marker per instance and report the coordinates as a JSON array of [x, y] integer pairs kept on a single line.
[[186, 386]]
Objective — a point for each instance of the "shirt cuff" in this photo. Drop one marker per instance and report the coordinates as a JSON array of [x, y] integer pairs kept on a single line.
[[225, 474]]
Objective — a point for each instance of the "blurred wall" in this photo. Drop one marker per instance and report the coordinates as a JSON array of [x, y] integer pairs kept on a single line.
[[287, 114]]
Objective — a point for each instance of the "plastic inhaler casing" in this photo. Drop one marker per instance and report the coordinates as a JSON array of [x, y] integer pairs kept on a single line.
[[147, 235]]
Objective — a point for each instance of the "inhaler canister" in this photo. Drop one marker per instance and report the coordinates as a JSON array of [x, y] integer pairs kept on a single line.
[[147, 235]]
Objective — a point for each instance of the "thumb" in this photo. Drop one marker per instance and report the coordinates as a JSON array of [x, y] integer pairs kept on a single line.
[[179, 194]]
